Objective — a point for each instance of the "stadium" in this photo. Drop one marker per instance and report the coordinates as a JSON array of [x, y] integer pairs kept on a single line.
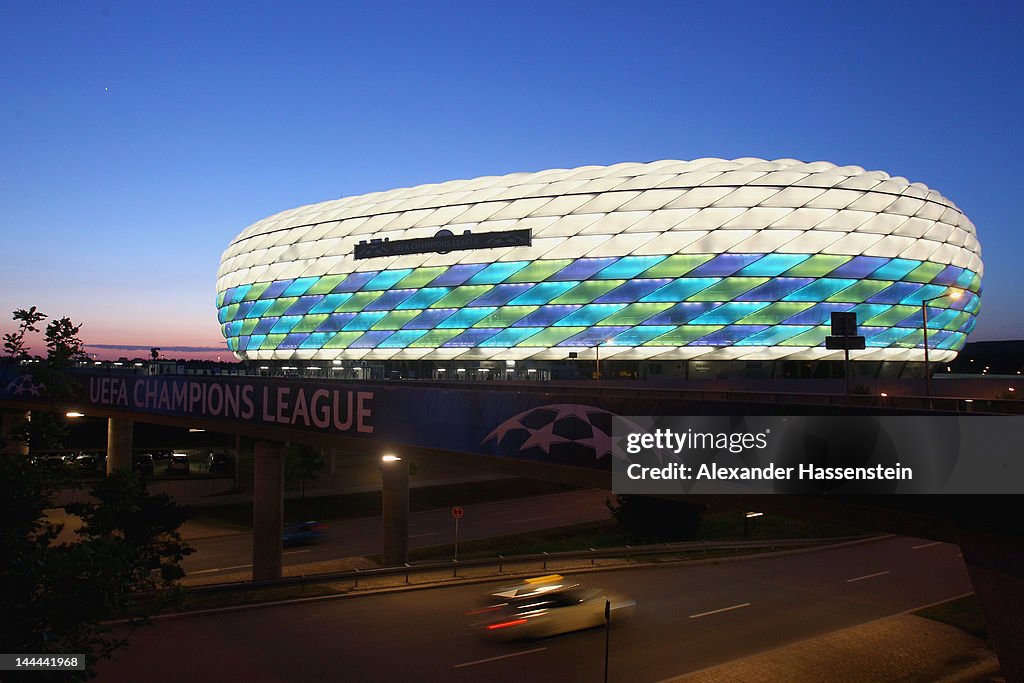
[[705, 268]]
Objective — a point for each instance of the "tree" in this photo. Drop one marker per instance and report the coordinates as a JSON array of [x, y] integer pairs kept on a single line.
[[646, 519], [55, 597], [15, 343], [301, 463]]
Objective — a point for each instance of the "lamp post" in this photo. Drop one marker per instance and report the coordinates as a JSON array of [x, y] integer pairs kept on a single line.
[[953, 294]]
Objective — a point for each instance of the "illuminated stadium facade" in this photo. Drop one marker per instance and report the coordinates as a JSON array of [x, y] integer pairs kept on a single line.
[[669, 266]]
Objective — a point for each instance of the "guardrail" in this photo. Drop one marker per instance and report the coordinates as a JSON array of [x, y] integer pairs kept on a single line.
[[628, 553]]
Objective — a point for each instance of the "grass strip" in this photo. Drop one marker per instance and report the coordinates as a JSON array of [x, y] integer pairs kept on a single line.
[[963, 613], [367, 504]]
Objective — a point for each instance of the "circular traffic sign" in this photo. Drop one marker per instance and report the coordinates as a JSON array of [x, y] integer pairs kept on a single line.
[[457, 512]]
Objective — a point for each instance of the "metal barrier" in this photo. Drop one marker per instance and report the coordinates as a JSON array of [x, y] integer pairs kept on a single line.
[[502, 562]]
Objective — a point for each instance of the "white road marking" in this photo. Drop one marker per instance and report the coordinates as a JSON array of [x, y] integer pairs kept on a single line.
[[296, 552], [867, 576], [431, 533], [494, 659], [528, 519], [221, 569], [925, 545], [718, 611]]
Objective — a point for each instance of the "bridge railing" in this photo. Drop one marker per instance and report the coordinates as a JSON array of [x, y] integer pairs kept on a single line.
[[543, 562]]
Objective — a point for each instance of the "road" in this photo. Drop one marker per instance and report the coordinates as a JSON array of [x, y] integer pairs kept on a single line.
[[687, 618], [358, 537]]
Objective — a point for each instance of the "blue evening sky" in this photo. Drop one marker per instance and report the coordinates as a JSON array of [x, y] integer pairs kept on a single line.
[[138, 138]]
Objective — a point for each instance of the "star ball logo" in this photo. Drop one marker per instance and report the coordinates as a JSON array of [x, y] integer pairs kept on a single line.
[[563, 433], [25, 386]]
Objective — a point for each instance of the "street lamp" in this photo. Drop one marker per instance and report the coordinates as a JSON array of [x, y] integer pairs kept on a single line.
[[952, 294]]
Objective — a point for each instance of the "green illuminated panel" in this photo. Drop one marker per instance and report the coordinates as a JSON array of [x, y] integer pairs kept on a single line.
[[635, 314], [683, 335], [229, 314], [326, 284], [728, 289], [775, 313], [272, 341], [859, 292], [342, 340], [892, 316], [924, 272], [912, 340], [435, 338], [812, 337], [538, 271], [677, 266], [956, 322], [395, 320], [255, 291], [460, 296], [280, 306], [506, 316], [419, 277], [975, 285], [585, 292], [817, 266], [551, 336], [309, 323], [248, 325], [358, 302]]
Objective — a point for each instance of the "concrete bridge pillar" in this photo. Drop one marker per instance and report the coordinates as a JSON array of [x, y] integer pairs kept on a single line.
[[395, 510], [995, 562], [119, 444], [267, 510], [11, 422]]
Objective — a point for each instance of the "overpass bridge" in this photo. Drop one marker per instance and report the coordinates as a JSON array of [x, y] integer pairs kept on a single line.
[[540, 430]]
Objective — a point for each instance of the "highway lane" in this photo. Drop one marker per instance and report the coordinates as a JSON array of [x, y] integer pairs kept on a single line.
[[358, 537], [687, 618]]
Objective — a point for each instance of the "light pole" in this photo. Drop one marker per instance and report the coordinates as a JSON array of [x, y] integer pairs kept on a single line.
[[953, 294], [597, 355]]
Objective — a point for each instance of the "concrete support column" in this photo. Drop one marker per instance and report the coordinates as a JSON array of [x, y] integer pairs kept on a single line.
[[395, 510], [267, 510], [119, 444], [995, 562], [11, 422]]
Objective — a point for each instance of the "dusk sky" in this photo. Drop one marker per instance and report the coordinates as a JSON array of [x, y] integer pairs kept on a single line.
[[138, 139]]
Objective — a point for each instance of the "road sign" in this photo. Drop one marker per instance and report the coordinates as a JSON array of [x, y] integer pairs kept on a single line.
[[458, 512], [848, 343], [844, 324]]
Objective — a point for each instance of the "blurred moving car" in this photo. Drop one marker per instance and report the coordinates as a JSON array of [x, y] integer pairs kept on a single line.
[[546, 606], [220, 462], [302, 533], [178, 462], [143, 462]]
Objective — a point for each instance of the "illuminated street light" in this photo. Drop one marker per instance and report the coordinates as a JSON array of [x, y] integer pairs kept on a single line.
[[952, 294], [390, 458], [74, 413]]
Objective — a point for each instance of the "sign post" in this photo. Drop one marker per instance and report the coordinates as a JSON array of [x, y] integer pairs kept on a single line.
[[457, 513], [845, 337]]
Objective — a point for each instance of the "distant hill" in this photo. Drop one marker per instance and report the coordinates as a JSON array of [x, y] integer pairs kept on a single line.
[[1000, 357]]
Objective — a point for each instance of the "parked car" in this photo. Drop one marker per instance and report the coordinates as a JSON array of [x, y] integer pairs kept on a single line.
[[178, 462], [143, 462], [51, 463], [220, 462], [91, 462], [303, 533], [545, 606]]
